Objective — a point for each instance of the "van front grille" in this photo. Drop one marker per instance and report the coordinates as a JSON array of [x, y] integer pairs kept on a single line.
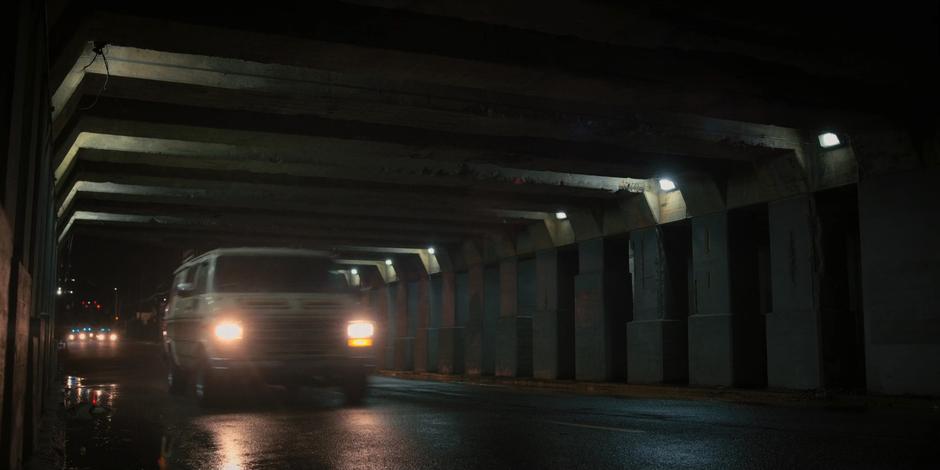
[[309, 335]]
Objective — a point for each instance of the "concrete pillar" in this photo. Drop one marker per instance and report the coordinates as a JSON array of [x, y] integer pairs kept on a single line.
[[473, 359], [553, 319], [657, 337], [435, 308], [406, 312], [450, 335], [711, 325], [420, 305], [391, 323], [900, 270], [793, 353], [601, 309], [514, 325]]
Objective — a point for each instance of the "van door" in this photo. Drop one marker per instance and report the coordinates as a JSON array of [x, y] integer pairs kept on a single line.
[[187, 319]]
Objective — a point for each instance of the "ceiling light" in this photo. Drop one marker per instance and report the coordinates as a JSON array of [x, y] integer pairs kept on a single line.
[[666, 184], [828, 140], [561, 215]]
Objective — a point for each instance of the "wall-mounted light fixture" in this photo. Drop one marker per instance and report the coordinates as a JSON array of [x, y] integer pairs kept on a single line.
[[828, 140]]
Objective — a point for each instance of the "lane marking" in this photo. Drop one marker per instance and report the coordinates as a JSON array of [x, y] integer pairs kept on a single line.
[[602, 428]]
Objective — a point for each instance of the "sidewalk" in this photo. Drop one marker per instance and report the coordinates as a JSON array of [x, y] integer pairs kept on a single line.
[[686, 392]]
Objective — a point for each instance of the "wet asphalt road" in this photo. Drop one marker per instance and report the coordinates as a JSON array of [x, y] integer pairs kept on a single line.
[[120, 417]]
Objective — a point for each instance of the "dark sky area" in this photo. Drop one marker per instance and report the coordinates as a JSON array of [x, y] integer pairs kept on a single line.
[[137, 270]]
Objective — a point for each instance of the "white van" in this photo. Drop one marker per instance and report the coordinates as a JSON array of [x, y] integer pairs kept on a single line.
[[265, 315]]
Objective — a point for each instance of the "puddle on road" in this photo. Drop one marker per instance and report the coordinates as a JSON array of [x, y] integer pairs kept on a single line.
[[96, 437]]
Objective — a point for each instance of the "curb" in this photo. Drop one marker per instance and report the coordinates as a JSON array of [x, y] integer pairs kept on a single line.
[[802, 398]]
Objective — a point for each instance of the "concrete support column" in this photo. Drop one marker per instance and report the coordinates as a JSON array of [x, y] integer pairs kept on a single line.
[[475, 335], [390, 301], [419, 302], [900, 277], [601, 309], [711, 325], [793, 352], [404, 342], [450, 335], [657, 337], [514, 325], [553, 319], [435, 309]]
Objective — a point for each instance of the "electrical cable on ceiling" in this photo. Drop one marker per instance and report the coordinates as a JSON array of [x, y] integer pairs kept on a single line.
[[99, 51]]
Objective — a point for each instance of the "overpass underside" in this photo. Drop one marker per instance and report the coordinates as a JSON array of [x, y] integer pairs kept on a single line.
[[496, 176]]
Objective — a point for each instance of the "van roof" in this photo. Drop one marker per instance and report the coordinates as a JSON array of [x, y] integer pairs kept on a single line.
[[249, 251]]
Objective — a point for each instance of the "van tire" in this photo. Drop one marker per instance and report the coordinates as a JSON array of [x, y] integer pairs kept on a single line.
[[177, 379], [208, 386]]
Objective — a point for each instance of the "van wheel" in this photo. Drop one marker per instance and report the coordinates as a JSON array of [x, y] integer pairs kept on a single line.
[[355, 388], [176, 379], [209, 391]]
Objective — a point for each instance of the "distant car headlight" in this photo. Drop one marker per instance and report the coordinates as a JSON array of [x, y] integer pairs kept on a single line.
[[228, 331], [359, 333], [113, 337], [81, 336], [71, 337]]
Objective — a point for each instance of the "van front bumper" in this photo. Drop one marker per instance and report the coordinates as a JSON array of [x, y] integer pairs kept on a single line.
[[293, 370]]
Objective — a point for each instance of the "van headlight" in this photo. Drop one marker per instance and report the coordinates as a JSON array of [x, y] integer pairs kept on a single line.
[[359, 333], [228, 331]]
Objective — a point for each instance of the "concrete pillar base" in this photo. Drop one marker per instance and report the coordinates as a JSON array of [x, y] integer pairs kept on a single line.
[[711, 349], [599, 306], [514, 343], [432, 349], [404, 354], [792, 355], [657, 351], [421, 350], [450, 350]]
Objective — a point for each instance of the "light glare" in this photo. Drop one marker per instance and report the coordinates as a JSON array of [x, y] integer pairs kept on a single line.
[[666, 184], [388, 262], [360, 329], [354, 271], [561, 215], [828, 139], [228, 331], [431, 250]]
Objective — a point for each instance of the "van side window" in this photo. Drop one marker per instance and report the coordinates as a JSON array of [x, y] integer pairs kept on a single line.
[[202, 276], [180, 278]]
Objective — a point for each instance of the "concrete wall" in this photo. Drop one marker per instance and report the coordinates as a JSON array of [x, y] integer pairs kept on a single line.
[[900, 229], [27, 231]]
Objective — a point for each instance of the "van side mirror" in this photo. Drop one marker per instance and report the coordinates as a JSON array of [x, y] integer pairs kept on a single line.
[[184, 289]]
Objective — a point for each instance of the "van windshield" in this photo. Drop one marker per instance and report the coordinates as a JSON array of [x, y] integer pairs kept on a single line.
[[245, 273]]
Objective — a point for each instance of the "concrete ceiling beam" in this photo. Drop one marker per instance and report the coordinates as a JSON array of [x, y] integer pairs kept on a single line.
[[508, 61], [239, 199], [161, 222], [230, 217], [137, 79], [329, 138], [322, 193]]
